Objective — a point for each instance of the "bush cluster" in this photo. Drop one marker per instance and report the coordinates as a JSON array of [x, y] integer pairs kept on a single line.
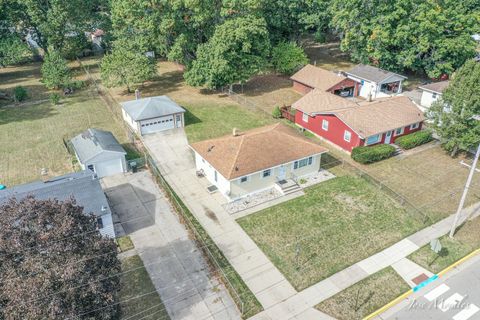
[[365, 154], [20, 94], [412, 140]]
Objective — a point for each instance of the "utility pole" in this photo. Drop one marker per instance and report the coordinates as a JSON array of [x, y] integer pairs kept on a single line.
[[465, 191]]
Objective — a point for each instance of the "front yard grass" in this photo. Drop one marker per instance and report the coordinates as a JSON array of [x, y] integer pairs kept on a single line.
[[366, 296], [125, 243], [336, 224], [140, 300], [466, 240]]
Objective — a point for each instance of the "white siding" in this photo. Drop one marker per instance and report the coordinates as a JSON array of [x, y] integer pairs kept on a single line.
[[107, 163], [222, 183], [133, 124], [428, 98]]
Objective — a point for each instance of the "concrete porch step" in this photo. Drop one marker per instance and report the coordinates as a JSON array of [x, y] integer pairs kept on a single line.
[[288, 186]]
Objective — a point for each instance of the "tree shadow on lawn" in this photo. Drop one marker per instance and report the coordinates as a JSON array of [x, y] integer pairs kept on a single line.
[[162, 84], [263, 84], [28, 113]]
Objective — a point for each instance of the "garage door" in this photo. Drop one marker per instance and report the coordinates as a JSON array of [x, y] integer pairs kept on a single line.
[[158, 124], [108, 168]]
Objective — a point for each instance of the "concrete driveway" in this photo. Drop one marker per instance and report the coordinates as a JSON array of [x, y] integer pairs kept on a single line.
[[173, 261]]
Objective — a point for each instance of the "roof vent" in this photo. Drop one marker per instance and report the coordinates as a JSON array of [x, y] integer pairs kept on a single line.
[[104, 208], [210, 149]]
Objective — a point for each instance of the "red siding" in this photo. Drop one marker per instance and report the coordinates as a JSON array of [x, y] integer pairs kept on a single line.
[[336, 130], [301, 88]]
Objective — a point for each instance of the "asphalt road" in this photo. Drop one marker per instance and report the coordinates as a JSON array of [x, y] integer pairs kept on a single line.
[[455, 296]]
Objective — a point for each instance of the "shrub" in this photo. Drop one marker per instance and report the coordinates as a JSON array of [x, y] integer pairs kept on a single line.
[[365, 154], [415, 139], [55, 98], [276, 113], [287, 57], [320, 36], [20, 94]]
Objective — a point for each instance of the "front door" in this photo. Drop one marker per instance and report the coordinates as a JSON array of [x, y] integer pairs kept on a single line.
[[388, 137], [282, 172]]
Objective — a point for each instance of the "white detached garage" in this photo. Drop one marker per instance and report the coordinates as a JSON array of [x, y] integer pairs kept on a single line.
[[153, 114], [99, 152]]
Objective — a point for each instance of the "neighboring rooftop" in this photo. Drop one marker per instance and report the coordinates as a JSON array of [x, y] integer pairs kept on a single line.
[[318, 101], [437, 87], [83, 186], [371, 73], [316, 77], [256, 150], [152, 107], [92, 142], [381, 116]]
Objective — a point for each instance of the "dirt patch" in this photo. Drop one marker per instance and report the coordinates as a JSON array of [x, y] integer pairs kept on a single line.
[[354, 204]]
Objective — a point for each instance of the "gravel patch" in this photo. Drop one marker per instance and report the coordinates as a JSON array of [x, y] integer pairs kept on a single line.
[[252, 200]]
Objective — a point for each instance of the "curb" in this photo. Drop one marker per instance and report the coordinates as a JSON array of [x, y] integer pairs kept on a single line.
[[421, 285]]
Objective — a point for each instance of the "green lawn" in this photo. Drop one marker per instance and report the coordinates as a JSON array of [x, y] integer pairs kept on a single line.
[[336, 224], [366, 296], [31, 136], [205, 121], [466, 240], [143, 301], [124, 243]]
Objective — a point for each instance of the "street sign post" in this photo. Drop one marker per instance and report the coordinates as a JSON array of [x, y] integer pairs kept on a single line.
[[435, 245]]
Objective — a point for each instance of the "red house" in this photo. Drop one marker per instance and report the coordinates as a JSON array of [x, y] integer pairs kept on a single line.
[[348, 124], [311, 77]]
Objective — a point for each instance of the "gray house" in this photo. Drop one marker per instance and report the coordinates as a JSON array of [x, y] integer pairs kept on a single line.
[[153, 114], [99, 152], [375, 82], [83, 186]]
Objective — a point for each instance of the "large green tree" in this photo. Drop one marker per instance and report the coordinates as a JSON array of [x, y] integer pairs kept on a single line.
[[126, 67], [55, 263], [428, 36], [237, 50], [456, 127], [53, 23], [55, 71], [12, 50]]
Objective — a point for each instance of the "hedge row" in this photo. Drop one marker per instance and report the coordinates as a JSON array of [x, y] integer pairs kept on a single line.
[[414, 139], [372, 154]]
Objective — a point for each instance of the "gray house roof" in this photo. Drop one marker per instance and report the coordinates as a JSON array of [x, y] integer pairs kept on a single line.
[[374, 74], [152, 107], [437, 87], [83, 186], [92, 142]]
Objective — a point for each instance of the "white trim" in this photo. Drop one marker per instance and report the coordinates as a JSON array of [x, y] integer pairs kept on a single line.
[[247, 178], [325, 121], [402, 130], [305, 117], [379, 138], [414, 126], [269, 173], [345, 136]]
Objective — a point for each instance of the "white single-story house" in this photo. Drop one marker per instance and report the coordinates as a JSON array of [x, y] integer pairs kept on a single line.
[[99, 152], [256, 160], [375, 82], [432, 92], [84, 186], [153, 114]]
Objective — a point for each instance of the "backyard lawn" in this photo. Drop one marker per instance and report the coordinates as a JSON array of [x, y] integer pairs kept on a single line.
[[336, 224], [139, 299], [466, 240], [31, 136], [366, 296]]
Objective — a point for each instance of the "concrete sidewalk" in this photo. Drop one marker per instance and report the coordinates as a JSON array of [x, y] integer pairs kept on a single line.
[[409, 270], [173, 261]]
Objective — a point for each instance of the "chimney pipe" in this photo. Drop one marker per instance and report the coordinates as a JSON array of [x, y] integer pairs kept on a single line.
[[137, 94], [235, 132]]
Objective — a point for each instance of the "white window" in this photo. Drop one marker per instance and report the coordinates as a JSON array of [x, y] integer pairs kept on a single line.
[[325, 125], [305, 117], [243, 179], [434, 96], [399, 131], [414, 126], [302, 163], [267, 173], [373, 139], [347, 136]]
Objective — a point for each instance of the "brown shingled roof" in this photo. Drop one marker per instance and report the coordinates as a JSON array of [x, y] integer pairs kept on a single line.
[[318, 101], [437, 87], [316, 77], [255, 150], [382, 116]]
